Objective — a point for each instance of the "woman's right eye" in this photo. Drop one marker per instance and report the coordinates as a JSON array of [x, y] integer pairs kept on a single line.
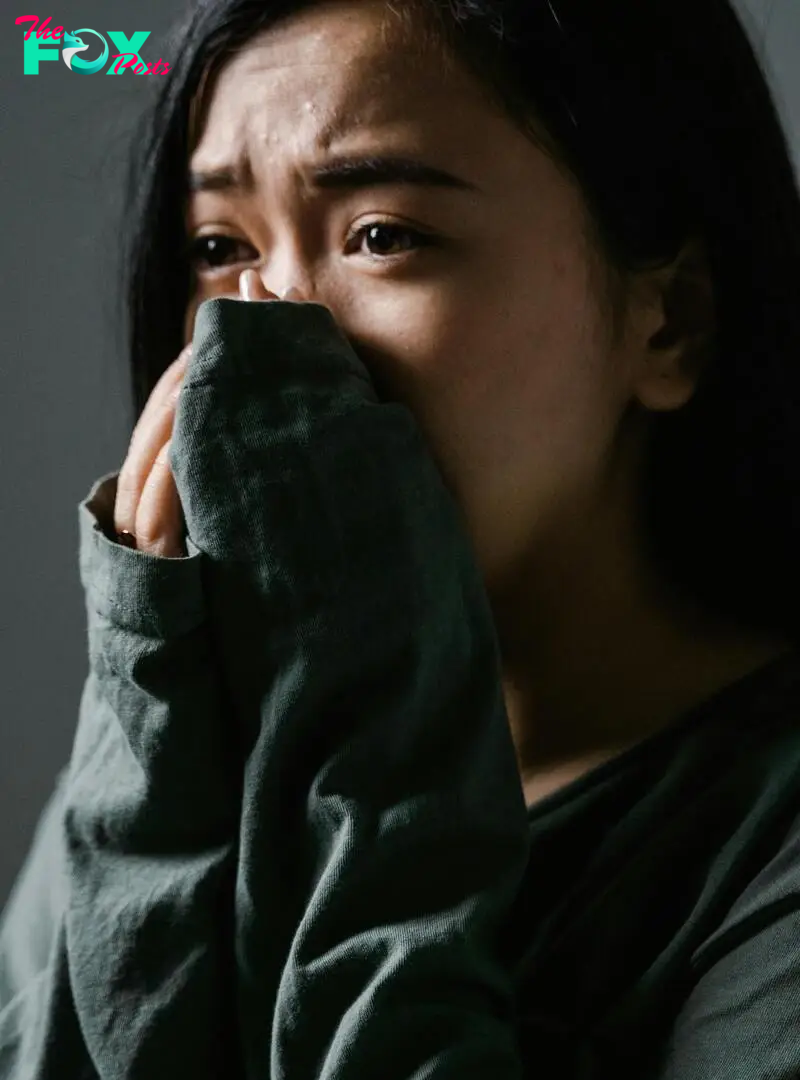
[[214, 251]]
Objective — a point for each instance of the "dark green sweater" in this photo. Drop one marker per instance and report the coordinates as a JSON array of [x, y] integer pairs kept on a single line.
[[291, 841]]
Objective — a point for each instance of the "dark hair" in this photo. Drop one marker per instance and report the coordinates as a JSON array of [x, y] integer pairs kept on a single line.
[[662, 113]]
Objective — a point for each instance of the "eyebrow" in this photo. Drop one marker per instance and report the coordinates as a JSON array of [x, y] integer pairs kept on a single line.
[[343, 173]]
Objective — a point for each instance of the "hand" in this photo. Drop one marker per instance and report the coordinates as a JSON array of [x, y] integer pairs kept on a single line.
[[147, 504]]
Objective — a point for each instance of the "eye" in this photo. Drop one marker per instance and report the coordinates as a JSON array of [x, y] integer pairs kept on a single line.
[[214, 251], [387, 239]]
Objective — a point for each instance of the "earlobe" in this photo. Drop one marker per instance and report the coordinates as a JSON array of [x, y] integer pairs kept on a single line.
[[666, 388], [681, 347]]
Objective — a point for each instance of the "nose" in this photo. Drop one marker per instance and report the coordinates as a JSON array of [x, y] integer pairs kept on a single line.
[[288, 274]]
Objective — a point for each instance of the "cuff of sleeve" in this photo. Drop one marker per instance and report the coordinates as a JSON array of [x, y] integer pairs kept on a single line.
[[279, 342], [137, 591]]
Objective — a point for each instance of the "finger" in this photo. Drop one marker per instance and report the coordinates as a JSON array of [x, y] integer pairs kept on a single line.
[[165, 386], [151, 432], [159, 524], [251, 287]]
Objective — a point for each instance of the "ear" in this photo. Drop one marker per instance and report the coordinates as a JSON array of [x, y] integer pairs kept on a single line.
[[677, 326]]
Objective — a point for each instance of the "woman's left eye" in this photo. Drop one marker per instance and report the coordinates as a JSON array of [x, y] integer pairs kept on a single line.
[[383, 236]]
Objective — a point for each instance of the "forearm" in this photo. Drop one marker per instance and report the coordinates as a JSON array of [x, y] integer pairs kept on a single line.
[[384, 830], [34, 910], [150, 822]]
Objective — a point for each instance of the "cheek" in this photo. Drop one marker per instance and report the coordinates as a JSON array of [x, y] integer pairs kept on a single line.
[[504, 374], [519, 415], [495, 383]]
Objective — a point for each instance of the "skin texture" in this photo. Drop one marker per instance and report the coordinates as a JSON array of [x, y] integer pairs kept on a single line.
[[498, 334]]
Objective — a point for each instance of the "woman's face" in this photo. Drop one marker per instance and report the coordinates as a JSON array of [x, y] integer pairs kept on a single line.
[[471, 292]]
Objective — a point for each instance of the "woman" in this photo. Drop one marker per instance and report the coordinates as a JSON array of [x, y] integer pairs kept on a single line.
[[565, 239]]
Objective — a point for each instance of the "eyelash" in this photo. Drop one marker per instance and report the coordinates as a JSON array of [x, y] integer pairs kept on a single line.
[[420, 240]]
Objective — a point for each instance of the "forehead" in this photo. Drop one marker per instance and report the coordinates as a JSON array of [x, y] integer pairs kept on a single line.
[[327, 73]]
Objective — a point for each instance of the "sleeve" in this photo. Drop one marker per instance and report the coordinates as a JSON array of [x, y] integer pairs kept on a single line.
[[116, 948], [35, 905], [741, 1020], [383, 833]]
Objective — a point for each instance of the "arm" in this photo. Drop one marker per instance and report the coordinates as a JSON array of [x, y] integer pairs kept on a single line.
[[741, 1020], [384, 831], [137, 850], [32, 914]]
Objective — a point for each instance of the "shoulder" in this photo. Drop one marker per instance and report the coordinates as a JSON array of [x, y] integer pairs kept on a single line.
[[741, 1020]]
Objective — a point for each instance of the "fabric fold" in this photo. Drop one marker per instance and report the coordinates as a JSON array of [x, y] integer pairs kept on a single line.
[[383, 831]]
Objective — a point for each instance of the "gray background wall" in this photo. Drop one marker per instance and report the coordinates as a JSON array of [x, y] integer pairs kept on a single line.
[[63, 407]]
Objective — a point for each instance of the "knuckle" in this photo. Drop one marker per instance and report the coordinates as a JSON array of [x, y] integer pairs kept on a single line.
[[124, 516], [168, 383], [157, 539], [126, 482], [171, 404], [162, 457], [150, 532]]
